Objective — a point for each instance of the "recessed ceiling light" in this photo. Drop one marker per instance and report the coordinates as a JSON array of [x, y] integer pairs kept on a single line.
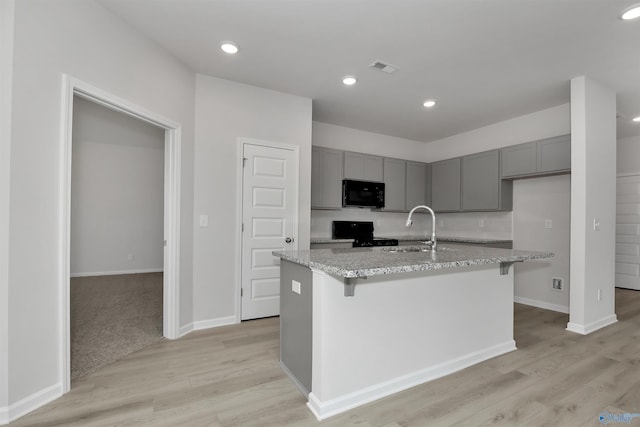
[[636, 119], [429, 103], [632, 13], [349, 80], [229, 47]]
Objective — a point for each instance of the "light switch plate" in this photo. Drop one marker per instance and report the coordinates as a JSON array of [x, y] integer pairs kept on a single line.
[[204, 220]]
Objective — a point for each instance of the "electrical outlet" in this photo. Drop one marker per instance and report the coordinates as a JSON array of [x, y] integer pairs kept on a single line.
[[481, 223], [295, 286], [556, 283], [599, 295], [130, 257], [596, 224], [204, 220], [440, 223], [548, 223]]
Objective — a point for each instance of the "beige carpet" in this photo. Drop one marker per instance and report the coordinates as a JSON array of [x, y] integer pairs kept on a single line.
[[112, 316]]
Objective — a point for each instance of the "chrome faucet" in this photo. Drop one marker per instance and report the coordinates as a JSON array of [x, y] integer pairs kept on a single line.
[[433, 223]]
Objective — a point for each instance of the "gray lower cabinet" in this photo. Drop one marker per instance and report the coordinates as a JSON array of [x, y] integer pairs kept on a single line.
[[445, 185], [395, 184], [546, 156], [418, 184], [363, 167], [326, 178], [482, 187]]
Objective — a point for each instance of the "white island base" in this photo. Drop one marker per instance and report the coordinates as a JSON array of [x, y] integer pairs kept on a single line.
[[401, 330]]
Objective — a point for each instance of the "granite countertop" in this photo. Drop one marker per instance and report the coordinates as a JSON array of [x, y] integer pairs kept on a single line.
[[364, 262], [449, 239]]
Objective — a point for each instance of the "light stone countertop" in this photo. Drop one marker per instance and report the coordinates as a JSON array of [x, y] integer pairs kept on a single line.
[[365, 262], [449, 239]]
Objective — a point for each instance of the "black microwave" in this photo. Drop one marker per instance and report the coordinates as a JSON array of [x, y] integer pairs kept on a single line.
[[362, 193]]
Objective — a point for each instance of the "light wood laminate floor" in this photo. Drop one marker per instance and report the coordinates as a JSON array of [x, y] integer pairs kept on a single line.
[[229, 376]]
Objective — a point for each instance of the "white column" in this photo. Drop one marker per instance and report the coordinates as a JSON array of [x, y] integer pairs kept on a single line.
[[593, 206]]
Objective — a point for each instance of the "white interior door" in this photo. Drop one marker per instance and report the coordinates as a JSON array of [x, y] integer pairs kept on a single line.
[[269, 216], [628, 232]]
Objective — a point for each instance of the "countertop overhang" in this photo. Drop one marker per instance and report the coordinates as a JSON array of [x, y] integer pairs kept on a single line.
[[414, 238], [351, 263]]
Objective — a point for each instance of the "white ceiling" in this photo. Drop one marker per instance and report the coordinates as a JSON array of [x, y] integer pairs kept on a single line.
[[483, 60]]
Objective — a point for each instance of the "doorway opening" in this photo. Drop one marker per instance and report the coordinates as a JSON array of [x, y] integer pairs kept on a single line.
[[117, 221], [74, 89]]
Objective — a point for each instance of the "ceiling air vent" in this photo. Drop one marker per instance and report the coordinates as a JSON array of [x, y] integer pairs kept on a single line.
[[383, 66]]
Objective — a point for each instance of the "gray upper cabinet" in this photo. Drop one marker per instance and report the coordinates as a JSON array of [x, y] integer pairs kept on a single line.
[[445, 185], [546, 156], [519, 160], [363, 166], [482, 187], [395, 183], [326, 178], [418, 184], [554, 154]]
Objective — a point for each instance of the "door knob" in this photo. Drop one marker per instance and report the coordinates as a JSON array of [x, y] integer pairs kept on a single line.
[[288, 240]]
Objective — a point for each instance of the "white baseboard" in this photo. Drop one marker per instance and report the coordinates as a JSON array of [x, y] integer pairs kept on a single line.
[[30, 403], [185, 329], [206, 324], [593, 326], [341, 404], [113, 273], [542, 304], [214, 323]]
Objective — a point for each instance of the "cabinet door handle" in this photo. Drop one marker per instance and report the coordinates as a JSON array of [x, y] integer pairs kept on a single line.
[[288, 240]]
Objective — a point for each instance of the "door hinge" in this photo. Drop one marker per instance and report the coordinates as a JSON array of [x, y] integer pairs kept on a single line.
[[244, 161], [242, 228], [241, 292]]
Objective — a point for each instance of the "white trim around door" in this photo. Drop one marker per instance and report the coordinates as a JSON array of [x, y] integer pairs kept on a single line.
[[171, 302]]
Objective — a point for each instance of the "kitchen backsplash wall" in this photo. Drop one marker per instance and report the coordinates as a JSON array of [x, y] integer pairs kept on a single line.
[[490, 225], [494, 225]]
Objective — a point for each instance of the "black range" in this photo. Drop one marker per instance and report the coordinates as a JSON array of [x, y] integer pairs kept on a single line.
[[361, 232]]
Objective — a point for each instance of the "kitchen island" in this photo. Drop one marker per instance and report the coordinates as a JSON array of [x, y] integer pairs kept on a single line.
[[363, 323]]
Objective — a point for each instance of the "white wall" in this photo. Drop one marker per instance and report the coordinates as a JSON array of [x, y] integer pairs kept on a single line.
[[385, 224], [343, 138], [628, 154], [6, 77], [546, 123], [495, 225], [534, 201], [226, 111], [117, 192], [82, 39]]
